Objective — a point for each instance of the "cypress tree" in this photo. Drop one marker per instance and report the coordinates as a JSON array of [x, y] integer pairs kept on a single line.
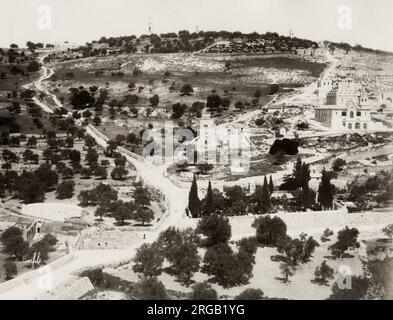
[[194, 204], [265, 201], [325, 191], [209, 206], [271, 185], [306, 199], [298, 172]]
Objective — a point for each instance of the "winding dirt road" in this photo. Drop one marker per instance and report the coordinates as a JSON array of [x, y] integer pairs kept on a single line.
[[176, 199], [152, 175]]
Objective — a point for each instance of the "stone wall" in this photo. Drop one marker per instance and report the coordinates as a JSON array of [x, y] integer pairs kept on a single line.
[[76, 290], [312, 223], [105, 238], [34, 274]]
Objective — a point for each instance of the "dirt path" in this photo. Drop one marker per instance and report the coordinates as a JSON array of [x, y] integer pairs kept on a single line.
[[152, 175]]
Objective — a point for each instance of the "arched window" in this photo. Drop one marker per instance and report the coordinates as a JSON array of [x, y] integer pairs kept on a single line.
[[365, 126], [357, 126], [359, 114], [350, 126], [351, 114]]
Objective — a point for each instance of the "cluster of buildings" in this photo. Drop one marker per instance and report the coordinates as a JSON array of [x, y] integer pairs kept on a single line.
[[312, 52], [222, 145], [343, 105]]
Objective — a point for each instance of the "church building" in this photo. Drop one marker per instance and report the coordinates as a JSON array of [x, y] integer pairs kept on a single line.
[[344, 106]]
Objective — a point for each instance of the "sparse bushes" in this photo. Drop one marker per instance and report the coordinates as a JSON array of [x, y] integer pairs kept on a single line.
[[119, 210], [346, 239], [269, 230], [287, 270], [119, 173], [323, 273], [42, 248], [239, 105], [136, 71], [213, 102], [297, 251], [250, 294], [287, 146], [388, 231], [215, 228], [81, 98], [186, 90], [358, 288], [102, 194], [10, 270], [303, 125], [65, 190], [180, 249], [148, 261], [274, 89], [326, 235], [178, 110], [203, 291], [96, 276], [154, 100], [13, 242], [338, 164], [151, 289], [227, 268]]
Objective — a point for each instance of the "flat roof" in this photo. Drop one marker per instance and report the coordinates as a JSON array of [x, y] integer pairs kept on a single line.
[[340, 107]]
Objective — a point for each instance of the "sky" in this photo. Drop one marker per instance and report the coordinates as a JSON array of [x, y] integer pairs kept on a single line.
[[368, 22]]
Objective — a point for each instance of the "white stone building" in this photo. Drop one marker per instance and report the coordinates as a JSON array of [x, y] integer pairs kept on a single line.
[[221, 145], [344, 117], [343, 106]]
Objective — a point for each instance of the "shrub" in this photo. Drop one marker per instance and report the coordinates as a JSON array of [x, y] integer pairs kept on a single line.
[[326, 235], [148, 261], [338, 164], [346, 239], [216, 228], [323, 273], [358, 290], [10, 269], [96, 276], [287, 146], [151, 289], [388, 231], [203, 291], [65, 190], [250, 294], [269, 230]]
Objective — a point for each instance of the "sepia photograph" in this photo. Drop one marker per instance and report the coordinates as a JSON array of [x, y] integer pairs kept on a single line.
[[183, 151]]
